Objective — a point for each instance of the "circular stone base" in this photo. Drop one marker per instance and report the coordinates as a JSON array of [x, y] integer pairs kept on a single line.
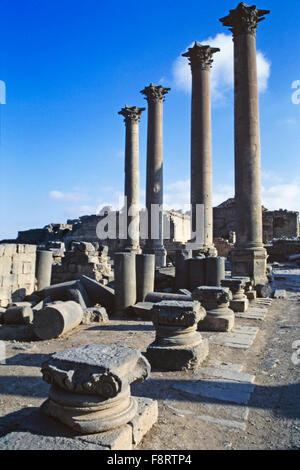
[[88, 414], [177, 357], [223, 321]]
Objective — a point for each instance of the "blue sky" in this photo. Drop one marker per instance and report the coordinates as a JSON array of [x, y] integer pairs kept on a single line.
[[69, 67]]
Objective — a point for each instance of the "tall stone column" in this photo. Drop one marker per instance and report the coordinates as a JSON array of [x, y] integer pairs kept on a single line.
[[132, 116], [249, 256], [154, 183], [200, 59]]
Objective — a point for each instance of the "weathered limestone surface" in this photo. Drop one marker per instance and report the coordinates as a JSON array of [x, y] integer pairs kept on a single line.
[[90, 386], [17, 272], [155, 96], [249, 257], [94, 314], [132, 116], [57, 318], [215, 300], [200, 59], [84, 258], [177, 345]]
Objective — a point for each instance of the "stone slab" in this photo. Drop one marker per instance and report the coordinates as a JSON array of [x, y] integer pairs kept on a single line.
[[144, 419], [143, 310], [28, 441], [242, 337], [221, 383], [39, 432], [253, 313], [224, 422], [280, 294]]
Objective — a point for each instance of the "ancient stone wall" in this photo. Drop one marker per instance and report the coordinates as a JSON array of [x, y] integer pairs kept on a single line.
[[83, 259], [223, 246], [17, 272], [276, 224], [281, 223]]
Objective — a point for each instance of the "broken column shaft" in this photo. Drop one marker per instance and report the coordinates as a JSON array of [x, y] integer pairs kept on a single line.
[[43, 270], [249, 257], [154, 181], [132, 116], [125, 282]]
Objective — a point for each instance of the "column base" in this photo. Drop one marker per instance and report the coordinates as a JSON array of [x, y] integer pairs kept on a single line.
[[239, 305], [251, 262], [87, 414], [217, 320], [160, 255], [173, 358], [251, 295]]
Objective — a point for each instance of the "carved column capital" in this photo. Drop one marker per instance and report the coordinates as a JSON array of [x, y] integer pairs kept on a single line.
[[131, 113], [200, 56], [155, 93], [244, 19]]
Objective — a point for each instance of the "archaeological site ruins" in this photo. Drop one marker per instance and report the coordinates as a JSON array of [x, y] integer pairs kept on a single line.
[[170, 336]]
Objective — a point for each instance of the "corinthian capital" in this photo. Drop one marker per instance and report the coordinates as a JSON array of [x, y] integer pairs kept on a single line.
[[244, 19], [155, 93], [200, 56], [131, 113]]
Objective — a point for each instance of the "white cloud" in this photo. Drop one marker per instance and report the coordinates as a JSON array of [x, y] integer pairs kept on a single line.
[[222, 70], [71, 196], [282, 196], [177, 194]]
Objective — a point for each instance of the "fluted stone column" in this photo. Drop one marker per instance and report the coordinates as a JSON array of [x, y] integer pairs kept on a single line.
[[132, 116], [249, 257], [200, 59], [154, 183]]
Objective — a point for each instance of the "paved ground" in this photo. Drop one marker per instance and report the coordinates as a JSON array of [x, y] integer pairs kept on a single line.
[[245, 397]]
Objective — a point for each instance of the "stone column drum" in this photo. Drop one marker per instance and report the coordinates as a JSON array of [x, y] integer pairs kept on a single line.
[[196, 272], [90, 386], [215, 300], [214, 270], [249, 257], [182, 268], [43, 268], [125, 282], [239, 302], [132, 116], [57, 318], [177, 345], [200, 59], [145, 273], [154, 181]]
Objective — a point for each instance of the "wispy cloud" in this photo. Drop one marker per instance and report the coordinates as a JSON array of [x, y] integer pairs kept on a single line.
[[222, 71], [67, 196]]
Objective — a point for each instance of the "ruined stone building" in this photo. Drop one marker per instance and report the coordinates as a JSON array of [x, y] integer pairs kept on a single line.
[[276, 224]]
